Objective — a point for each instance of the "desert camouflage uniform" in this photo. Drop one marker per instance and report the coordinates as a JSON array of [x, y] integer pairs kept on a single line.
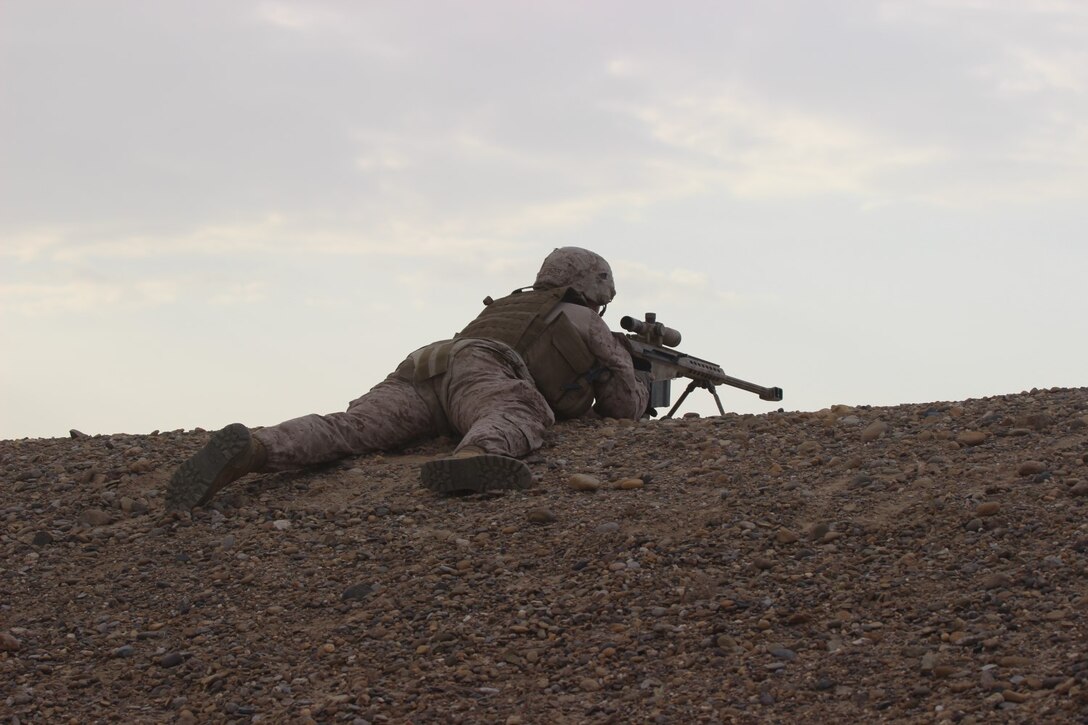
[[486, 393], [525, 359]]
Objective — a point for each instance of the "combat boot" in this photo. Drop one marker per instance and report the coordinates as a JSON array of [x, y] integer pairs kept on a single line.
[[230, 454], [471, 469]]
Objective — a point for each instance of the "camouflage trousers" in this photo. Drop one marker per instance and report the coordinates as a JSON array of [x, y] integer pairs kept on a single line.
[[485, 394]]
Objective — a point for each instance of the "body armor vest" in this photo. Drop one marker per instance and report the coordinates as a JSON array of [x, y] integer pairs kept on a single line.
[[562, 366]]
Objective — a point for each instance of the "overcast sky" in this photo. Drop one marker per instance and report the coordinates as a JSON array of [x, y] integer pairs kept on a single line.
[[246, 210]]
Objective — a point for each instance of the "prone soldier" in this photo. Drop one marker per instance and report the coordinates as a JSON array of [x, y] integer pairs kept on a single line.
[[538, 354]]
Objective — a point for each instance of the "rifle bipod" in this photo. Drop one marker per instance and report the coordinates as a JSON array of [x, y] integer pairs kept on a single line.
[[692, 386]]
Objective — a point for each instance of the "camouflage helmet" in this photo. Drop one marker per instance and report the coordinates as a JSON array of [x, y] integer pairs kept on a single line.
[[585, 272]]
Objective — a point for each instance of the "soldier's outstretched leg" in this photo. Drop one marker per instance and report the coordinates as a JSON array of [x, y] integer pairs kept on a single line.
[[230, 454], [387, 417], [391, 414]]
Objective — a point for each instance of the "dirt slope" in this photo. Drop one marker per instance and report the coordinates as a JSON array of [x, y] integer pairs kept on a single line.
[[919, 563]]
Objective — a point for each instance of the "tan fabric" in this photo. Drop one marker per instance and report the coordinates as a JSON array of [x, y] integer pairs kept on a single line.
[[481, 388], [486, 394], [561, 365], [516, 319], [618, 392]]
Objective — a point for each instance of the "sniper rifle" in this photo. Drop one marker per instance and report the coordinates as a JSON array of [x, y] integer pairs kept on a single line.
[[650, 344]]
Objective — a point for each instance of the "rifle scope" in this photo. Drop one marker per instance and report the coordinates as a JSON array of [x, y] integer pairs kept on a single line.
[[651, 330]]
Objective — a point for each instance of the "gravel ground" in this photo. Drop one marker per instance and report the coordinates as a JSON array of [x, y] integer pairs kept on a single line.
[[918, 563]]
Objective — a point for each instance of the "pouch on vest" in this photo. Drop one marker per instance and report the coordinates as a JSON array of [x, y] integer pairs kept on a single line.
[[562, 367], [432, 360]]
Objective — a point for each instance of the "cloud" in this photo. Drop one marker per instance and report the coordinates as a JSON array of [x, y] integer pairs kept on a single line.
[[246, 293], [767, 150], [298, 17], [361, 30], [30, 245], [34, 300], [1025, 70]]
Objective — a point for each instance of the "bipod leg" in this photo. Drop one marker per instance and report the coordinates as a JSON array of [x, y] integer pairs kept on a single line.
[[691, 386], [714, 392]]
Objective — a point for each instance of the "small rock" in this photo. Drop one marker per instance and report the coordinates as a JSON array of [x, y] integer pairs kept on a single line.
[[589, 685], [989, 508], [971, 437], [630, 484], [8, 643], [1079, 489], [356, 591], [996, 580], [1030, 468], [873, 431], [95, 517], [281, 524], [542, 516], [77, 434], [123, 651], [42, 538], [171, 659], [584, 482], [785, 536]]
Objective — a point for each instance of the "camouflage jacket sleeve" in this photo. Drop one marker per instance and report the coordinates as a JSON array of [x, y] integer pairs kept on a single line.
[[618, 391]]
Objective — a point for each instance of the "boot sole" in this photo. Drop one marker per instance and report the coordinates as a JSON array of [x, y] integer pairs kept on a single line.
[[200, 477], [487, 472]]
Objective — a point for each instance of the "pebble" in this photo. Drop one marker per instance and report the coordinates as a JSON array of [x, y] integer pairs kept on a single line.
[[630, 484], [171, 659], [989, 508], [8, 643], [996, 580], [1030, 468], [874, 430], [542, 516], [971, 437], [785, 536], [95, 517], [584, 482], [357, 591], [281, 524]]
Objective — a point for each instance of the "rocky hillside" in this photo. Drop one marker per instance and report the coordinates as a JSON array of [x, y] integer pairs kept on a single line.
[[919, 563]]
